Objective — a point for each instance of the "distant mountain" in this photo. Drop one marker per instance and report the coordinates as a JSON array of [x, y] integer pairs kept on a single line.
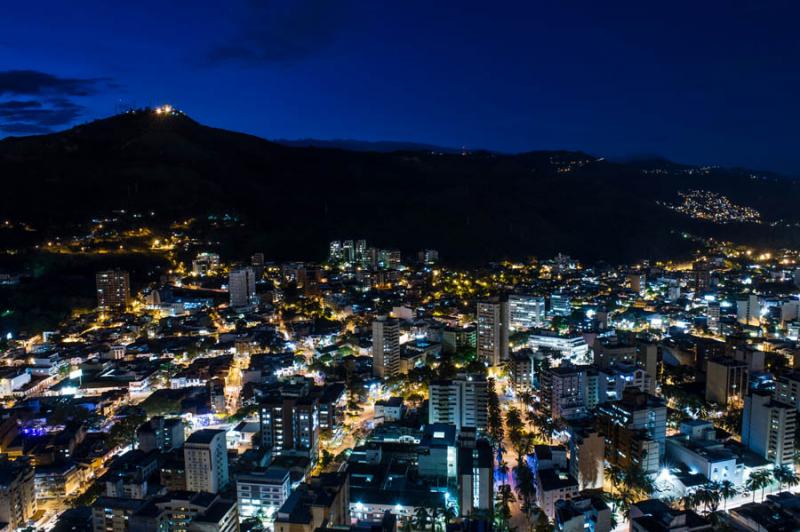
[[384, 146], [472, 206]]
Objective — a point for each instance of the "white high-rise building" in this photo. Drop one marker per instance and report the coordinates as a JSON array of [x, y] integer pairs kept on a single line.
[[748, 310], [335, 251], [361, 252], [493, 331], [385, 347], [713, 317], [242, 287], [262, 492], [525, 311], [206, 457], [462, 402], [768, 428]]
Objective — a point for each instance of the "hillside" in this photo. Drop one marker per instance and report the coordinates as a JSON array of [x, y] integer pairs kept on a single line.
[[472, 207]]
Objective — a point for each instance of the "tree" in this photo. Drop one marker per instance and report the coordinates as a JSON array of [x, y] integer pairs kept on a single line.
[[758, 480], [495, 417], [123, 432], [449, 513], [709, 496], [784, 474], [95, 490], [421, 518], [631, 484], [434, 517], [502, 466], [690, 502], [327, 458], [523, 444], [502, 512], [524, 483], [542, 523], [727, 490]]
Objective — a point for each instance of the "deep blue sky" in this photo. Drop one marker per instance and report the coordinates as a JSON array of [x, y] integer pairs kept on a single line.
[[701, 81]]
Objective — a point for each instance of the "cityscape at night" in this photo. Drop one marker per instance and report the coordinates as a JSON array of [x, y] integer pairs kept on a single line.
[[305, 266]]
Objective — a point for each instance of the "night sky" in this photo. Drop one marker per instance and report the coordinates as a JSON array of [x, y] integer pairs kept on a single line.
[[697, 82]]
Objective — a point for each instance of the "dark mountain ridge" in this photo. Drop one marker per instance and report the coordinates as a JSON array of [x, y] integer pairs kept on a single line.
[[472, 207], [383, 146]]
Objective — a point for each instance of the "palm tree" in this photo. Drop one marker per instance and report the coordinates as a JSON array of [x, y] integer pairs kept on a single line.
[[502, 511], [784, 474], [524, 483], [434, 517], [758, 480], [523, 444], [421, 518], [690, 501], [526, 397], [503, 468], [727, 490], [709, 496], [449, 513]]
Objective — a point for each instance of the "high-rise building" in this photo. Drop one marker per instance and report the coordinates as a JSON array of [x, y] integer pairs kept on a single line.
[[428, 257], [636, 281], [702, 276], [385, 347], [521, 370], [205, 263], [611, 351], [242, 287], [113, 290], [748, 310], [174, 511], [17, 495], [586, 455], [673, 292], [647, 357], [726, 381], [335, 251], [713, 318], [635, 429], [159, 433], [462, 402], [257, 259], [324, 501], [565, 390], [290, 425], [768, 428], [360, 255], [475, 476], [390, 259], [612, 382], [526, 311], [493, 331], [206, 457], [348, 252], [262, 493], [787, 389], [560, 304]]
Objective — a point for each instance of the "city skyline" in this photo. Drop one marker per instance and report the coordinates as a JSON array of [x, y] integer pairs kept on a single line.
[[202, 330]]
